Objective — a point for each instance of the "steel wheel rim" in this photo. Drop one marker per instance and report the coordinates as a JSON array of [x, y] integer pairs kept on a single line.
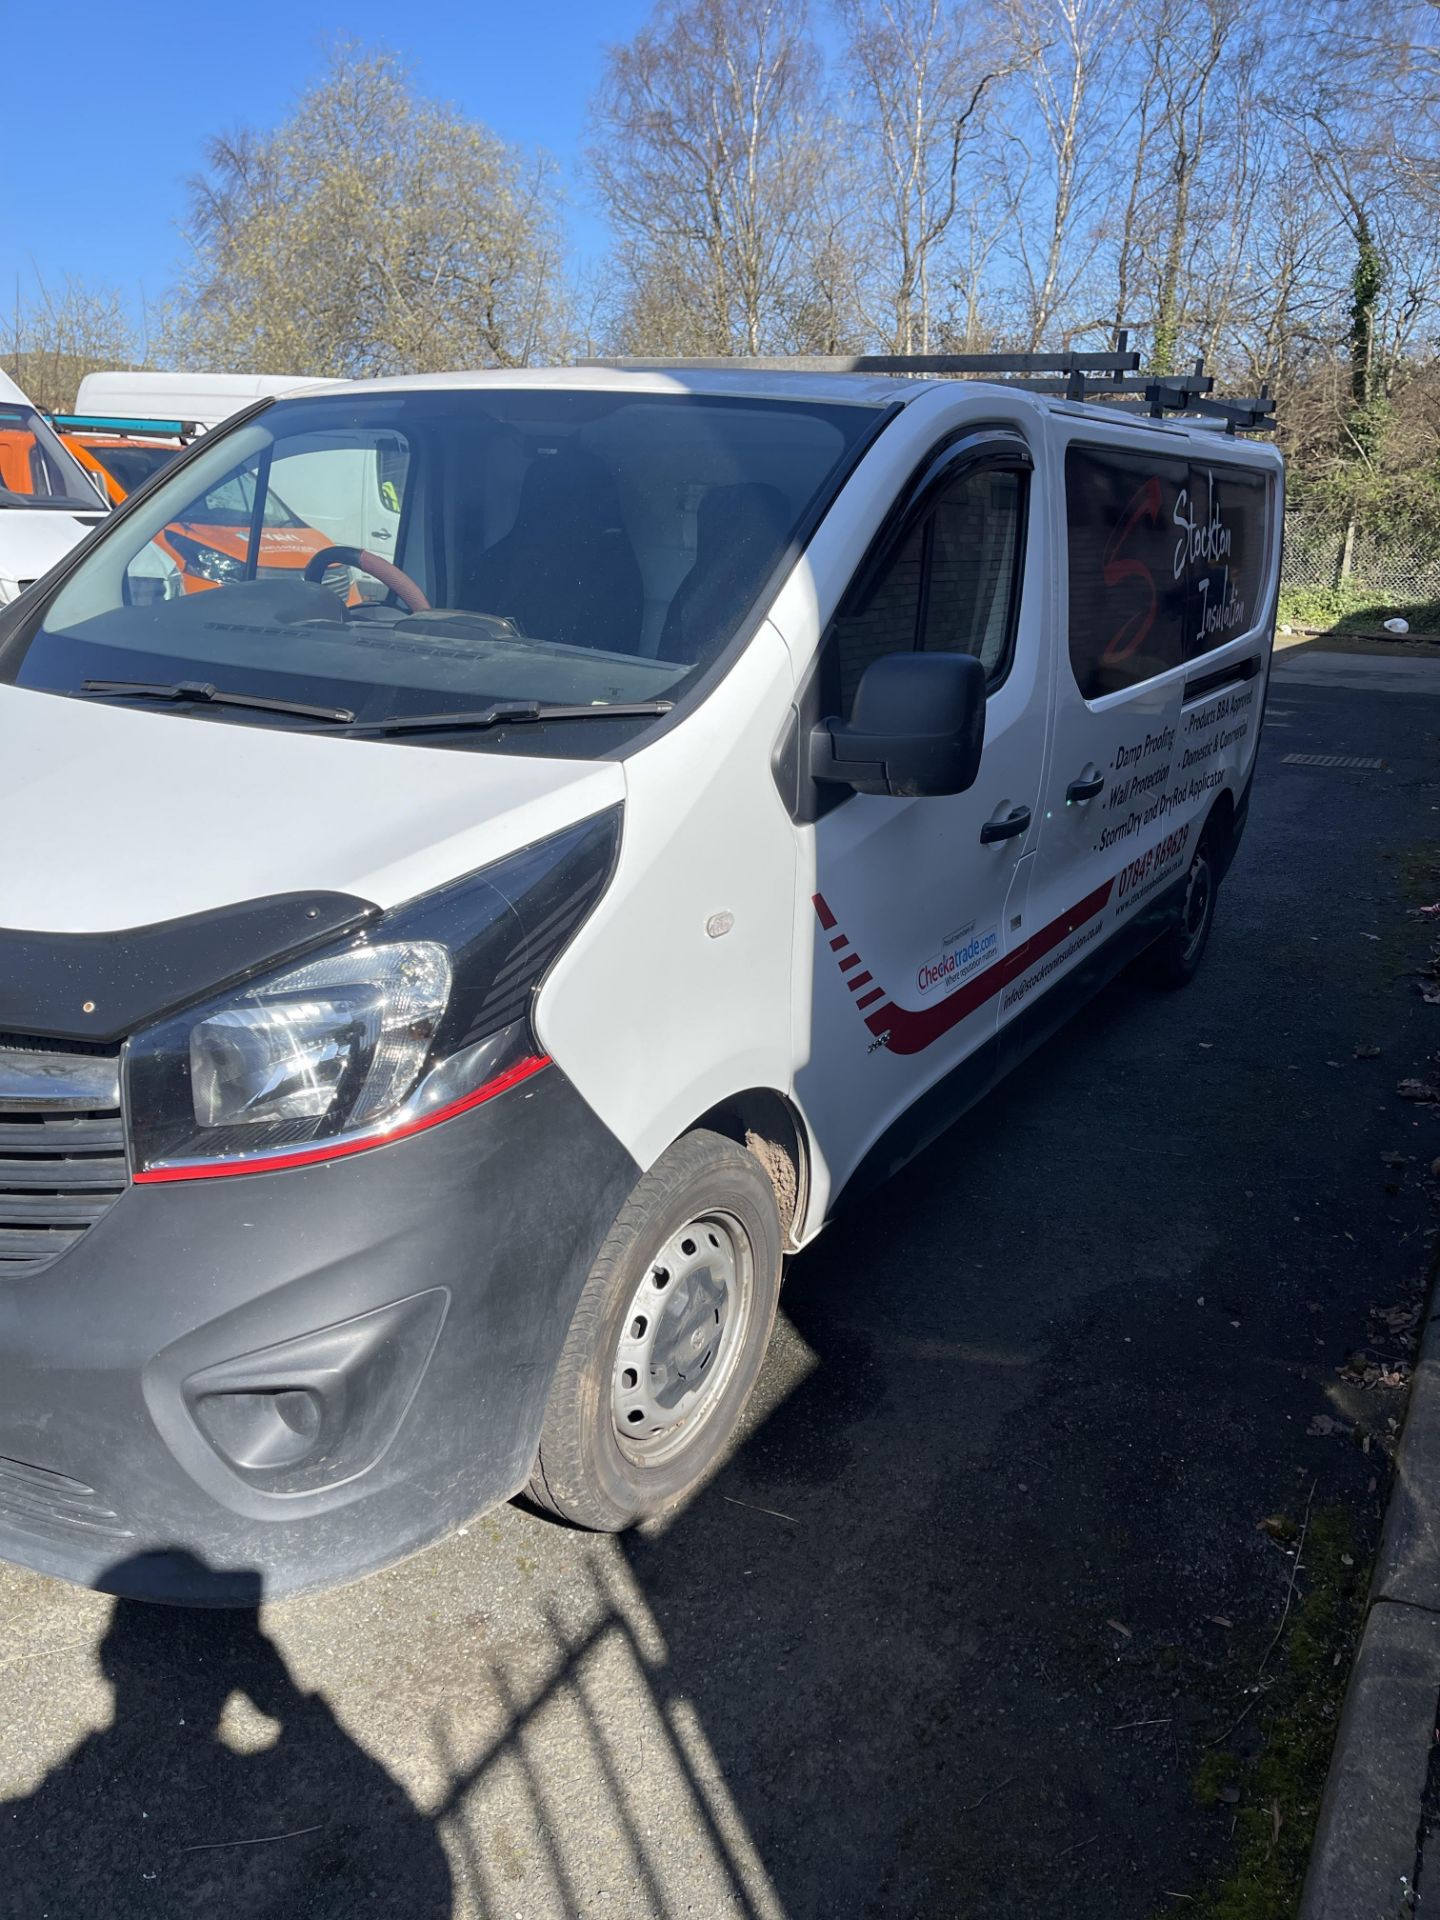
[[1196, 911], [681, 1337]]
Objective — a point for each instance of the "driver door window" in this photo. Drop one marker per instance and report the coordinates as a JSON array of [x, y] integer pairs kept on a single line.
[[952, 586]]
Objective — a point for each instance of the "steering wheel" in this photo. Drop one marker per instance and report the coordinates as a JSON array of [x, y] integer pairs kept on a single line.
[[385, 571]]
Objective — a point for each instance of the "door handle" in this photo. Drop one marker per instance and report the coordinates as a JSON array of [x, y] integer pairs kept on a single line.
[[1085, 788], [1016, 821]]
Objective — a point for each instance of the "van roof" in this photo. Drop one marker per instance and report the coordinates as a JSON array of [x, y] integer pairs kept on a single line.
[[856, 389], [801, 383]]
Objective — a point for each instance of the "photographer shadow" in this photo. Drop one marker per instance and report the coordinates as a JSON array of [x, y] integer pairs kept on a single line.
[[219, 1787]]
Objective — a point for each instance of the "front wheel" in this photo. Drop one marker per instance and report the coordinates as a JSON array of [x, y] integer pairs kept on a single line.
[[667, 1340], [1179, 953]]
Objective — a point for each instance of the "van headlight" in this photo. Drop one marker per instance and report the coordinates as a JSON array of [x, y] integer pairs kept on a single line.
[[423, 1014], [206, 563]]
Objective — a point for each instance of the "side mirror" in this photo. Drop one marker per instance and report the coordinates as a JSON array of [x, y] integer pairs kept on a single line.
[[918, 727]]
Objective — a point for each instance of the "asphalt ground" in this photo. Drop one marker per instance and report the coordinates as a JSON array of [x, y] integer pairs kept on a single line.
[[941, 1639]]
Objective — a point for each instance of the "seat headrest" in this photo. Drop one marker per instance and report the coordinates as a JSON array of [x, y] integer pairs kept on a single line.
[[570, 486], [742, 512]]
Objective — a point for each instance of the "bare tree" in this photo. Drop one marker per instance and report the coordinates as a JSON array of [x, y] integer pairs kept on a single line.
[[921, 72], [709, 153], [1193, 40], [1072, 52], [374, 232], [60, 333]]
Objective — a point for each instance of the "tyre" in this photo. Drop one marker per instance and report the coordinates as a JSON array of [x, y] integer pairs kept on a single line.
[[667, 1340], [1179, 952]]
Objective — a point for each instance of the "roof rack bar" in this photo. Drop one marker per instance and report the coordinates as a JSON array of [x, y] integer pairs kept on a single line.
[[121, 424], [1238, 416], [1052, 363], [1077, 386]]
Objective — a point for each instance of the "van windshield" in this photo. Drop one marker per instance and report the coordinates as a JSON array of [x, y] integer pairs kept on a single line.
[[35, 470], [424, 552]]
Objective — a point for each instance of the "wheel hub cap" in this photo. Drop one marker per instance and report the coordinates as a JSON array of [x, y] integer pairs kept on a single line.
[[679, 1332]]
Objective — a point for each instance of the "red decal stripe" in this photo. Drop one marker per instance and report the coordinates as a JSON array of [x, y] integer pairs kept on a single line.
[[840, 940], [911, 1030], [307, 1156], [859, 980]]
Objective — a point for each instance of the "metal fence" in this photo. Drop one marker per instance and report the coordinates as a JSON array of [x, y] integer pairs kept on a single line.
[[1401, 569]]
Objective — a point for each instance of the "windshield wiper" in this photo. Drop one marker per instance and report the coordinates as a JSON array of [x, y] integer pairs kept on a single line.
[[207, 695], [508, 713]]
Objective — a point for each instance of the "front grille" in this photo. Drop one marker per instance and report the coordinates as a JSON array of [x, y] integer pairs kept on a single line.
[[62, 1151]]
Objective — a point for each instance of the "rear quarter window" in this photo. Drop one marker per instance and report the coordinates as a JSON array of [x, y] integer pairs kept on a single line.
[[1166, 561]]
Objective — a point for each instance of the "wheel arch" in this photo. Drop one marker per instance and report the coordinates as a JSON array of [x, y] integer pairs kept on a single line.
[[766, 1124], [1219, 829]]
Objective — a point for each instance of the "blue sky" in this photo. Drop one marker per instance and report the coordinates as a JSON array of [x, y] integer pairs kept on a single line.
[[109, 105]]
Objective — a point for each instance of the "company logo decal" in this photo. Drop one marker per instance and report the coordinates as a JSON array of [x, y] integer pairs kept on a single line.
[[907, 1030], [963, 953]]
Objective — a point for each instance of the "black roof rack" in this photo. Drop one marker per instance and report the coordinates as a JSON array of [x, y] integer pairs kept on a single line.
[[1191, 393], [1076, 376]]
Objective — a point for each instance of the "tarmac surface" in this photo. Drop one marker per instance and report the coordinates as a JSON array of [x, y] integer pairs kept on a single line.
[[939, 1640]]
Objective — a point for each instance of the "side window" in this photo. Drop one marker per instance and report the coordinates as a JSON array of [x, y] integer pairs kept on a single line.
[[1166, 562], [886, 620], [975, 559], [952, 586]]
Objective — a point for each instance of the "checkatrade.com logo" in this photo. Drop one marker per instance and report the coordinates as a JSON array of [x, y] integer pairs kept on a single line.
[[957, 960]]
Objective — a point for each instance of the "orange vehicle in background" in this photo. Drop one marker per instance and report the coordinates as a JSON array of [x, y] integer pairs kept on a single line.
[[211, 549]]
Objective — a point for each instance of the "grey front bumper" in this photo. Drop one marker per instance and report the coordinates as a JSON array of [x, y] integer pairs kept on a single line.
[[279, 1381]]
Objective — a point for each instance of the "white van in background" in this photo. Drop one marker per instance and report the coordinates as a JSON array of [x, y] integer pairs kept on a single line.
[[433, 1013], [201, 399]]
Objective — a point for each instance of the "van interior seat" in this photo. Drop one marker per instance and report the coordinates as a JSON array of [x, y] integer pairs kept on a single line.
[[739, 532], [566, 570]]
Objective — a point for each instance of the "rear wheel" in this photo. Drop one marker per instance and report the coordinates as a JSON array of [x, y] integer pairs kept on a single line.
[[667, 1340], [1179, 953]]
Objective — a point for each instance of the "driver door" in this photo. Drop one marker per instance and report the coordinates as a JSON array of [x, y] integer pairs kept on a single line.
[[918, 901]]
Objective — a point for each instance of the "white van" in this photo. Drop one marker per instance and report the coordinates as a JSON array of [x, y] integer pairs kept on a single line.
[[198, 399], [427, 1020]]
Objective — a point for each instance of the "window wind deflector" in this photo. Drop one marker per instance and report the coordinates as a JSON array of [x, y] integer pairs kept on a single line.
[[204, 694], [511, 713]]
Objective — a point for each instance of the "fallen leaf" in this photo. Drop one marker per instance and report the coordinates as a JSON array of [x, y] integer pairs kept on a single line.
[[1332, 1063], [1275, 1816], [1207, 1045], [1219, 1620], [1395, 1159], [1230, 1795], [1371, 936], [1366, 1052], [1120, 1628], [1324, 1424], [1430, 993], [1418, 1090]]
